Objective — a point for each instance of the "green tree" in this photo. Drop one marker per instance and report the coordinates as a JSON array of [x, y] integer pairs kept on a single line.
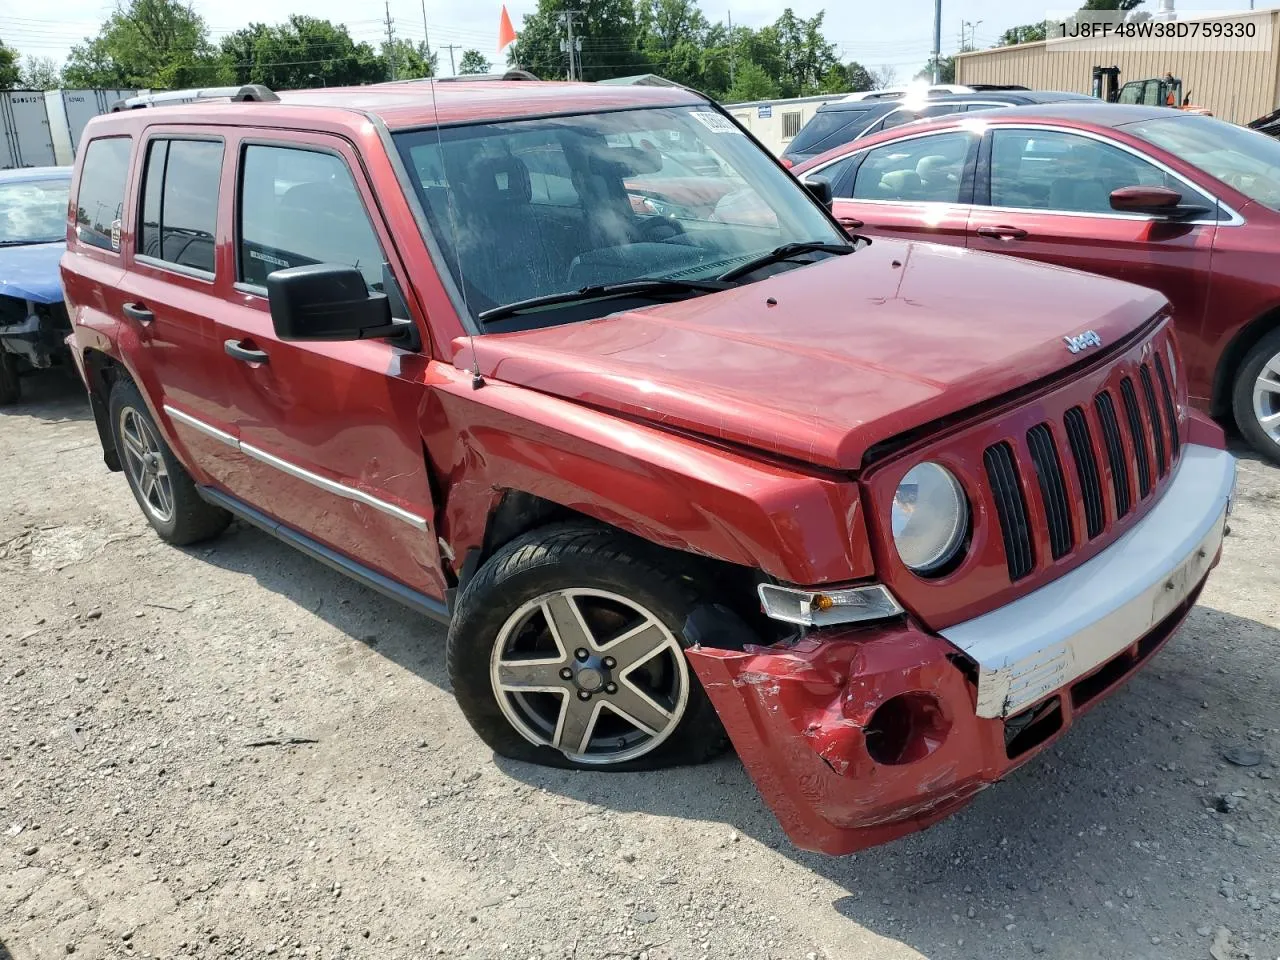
[[1027, 33], [473, 61], [674, 40], [752, 83], [10, 73], [946, 70], [858, 78], [149, 43], [1124, 5], [412, 61], [301, 52], [610, 34], [41, 73]]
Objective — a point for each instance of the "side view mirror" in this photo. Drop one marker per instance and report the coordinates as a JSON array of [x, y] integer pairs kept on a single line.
[[1158, 202], [325, 301], [820, 189]]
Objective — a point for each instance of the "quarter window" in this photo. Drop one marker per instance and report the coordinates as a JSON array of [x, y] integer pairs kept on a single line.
[[101, 197], [1049, 170], [180, 202], [926, 169], [299, 207]]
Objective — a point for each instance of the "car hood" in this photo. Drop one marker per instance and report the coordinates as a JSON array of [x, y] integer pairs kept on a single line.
[[819, 363], [30, 272]]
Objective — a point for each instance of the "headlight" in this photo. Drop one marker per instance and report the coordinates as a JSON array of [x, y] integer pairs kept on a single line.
[[930, 517]]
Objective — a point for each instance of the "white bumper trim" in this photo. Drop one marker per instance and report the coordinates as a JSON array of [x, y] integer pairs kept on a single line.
[[1063, 630]]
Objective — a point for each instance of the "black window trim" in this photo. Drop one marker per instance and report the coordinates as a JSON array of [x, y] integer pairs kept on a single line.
[[967, 181], [1227, 215], [124, 194], [181, 269], [253, 289]]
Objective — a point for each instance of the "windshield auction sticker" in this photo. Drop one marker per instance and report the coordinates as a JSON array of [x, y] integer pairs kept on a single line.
[[1247, 31], [714, 122]]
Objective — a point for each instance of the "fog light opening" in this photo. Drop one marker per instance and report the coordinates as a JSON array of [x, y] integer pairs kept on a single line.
[[906, 728]]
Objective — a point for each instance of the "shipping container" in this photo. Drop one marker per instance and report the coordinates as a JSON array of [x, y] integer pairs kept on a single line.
[[25, 122]]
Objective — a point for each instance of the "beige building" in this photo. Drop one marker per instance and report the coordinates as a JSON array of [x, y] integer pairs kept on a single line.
[[1235, 83]]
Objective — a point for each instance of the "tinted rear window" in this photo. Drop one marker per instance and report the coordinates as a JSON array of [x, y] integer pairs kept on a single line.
[[829, 129], [101, 196]]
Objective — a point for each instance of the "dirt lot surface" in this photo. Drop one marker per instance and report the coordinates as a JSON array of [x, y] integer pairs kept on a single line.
[[139, 818]]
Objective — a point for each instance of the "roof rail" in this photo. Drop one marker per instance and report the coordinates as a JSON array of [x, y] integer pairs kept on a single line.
[[249, 92], [513, 74]]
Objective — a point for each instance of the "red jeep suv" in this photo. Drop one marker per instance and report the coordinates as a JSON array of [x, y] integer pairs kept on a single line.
[[583, 372]]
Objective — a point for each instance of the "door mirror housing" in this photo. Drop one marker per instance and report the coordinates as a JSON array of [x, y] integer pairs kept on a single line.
[[325, 301], [820, 189], [1160, 202]]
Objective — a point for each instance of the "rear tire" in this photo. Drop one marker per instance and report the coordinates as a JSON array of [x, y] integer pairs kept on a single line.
[[10, 388], [1255, 398], [161, 485], [523, 683]]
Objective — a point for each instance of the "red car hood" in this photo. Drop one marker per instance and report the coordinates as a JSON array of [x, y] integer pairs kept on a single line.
[[821, 362]]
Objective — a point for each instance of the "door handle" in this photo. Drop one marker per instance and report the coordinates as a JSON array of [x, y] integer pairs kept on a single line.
[[849, 223], [136, 311], [1001, 233], [236, 349]]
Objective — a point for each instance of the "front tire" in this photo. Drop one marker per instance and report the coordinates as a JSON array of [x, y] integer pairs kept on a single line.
[[566, 650], [10, 387], [161, 485], [1255, 398]]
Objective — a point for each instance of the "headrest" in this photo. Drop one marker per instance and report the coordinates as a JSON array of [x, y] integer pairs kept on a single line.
[[495, 181], [933, 165]]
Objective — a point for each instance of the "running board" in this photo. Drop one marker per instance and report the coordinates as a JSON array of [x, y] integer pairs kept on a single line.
[[412, 599]]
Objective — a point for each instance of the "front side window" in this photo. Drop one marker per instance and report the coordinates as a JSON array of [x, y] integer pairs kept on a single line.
[[180, 202], [33, 211], [300, 207], [532, 208], [1049, 170], [1243, 159], [925, 169], [899, 117], [100, 201]]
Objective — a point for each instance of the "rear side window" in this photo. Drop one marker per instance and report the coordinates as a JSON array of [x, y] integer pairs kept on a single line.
[[180, 202], [827, 129], [299, 207], [923, 170], [101, 198]]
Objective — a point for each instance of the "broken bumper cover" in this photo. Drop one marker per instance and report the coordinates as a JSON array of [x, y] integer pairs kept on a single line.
[[857, 736]]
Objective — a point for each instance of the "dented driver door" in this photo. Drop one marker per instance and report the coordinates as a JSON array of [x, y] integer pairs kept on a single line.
[[329, 430]]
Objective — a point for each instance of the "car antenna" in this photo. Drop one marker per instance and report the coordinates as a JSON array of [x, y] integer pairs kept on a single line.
[[477, 381]]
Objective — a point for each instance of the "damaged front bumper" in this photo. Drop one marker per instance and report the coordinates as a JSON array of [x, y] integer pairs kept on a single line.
[[38, 337], [856, 736]]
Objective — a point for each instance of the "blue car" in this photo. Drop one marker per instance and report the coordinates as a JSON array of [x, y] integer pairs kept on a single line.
[[33, 317]]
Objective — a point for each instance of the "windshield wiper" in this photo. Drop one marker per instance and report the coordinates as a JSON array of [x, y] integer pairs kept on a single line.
[[28, 243], [655, 287], [784, 252]]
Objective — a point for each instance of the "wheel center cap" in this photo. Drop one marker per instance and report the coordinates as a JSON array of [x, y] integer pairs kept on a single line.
[[589, 679]]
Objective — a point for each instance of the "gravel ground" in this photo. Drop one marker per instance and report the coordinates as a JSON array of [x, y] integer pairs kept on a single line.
[[152, 805]]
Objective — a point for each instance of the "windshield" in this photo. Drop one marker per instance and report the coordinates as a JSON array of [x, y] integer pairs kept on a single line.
[[533, 208], [33, 211], [1244, 159]]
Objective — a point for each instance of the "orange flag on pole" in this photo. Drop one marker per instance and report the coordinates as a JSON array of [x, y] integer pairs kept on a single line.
[[506, 32]]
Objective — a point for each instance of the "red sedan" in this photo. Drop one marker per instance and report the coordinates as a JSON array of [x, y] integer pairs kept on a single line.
[[1186, 204]]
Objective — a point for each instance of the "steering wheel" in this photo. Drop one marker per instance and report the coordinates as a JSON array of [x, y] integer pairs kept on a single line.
[[659, 229]]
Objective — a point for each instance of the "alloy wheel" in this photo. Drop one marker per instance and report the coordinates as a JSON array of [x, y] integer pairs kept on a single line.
[[1266, 398], [146, 466], [590, 673]]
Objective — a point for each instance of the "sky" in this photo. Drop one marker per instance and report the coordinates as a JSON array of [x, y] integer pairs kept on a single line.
[[877, 34]]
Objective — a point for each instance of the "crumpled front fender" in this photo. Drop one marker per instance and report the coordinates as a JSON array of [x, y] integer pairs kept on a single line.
[[856, 739]]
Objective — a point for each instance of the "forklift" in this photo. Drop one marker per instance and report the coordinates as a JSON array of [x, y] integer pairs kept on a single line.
[[1162, 92]]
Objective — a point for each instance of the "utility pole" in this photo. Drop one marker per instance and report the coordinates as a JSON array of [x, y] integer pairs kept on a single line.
[[733, 53], [569, 45], [972, 28], [451, 47], [937, 37], [391, 41], [426, 37]]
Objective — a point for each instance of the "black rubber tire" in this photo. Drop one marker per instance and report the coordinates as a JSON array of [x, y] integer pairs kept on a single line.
[[558, 557], [193, 519], [1242, 396], [10, 387]]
